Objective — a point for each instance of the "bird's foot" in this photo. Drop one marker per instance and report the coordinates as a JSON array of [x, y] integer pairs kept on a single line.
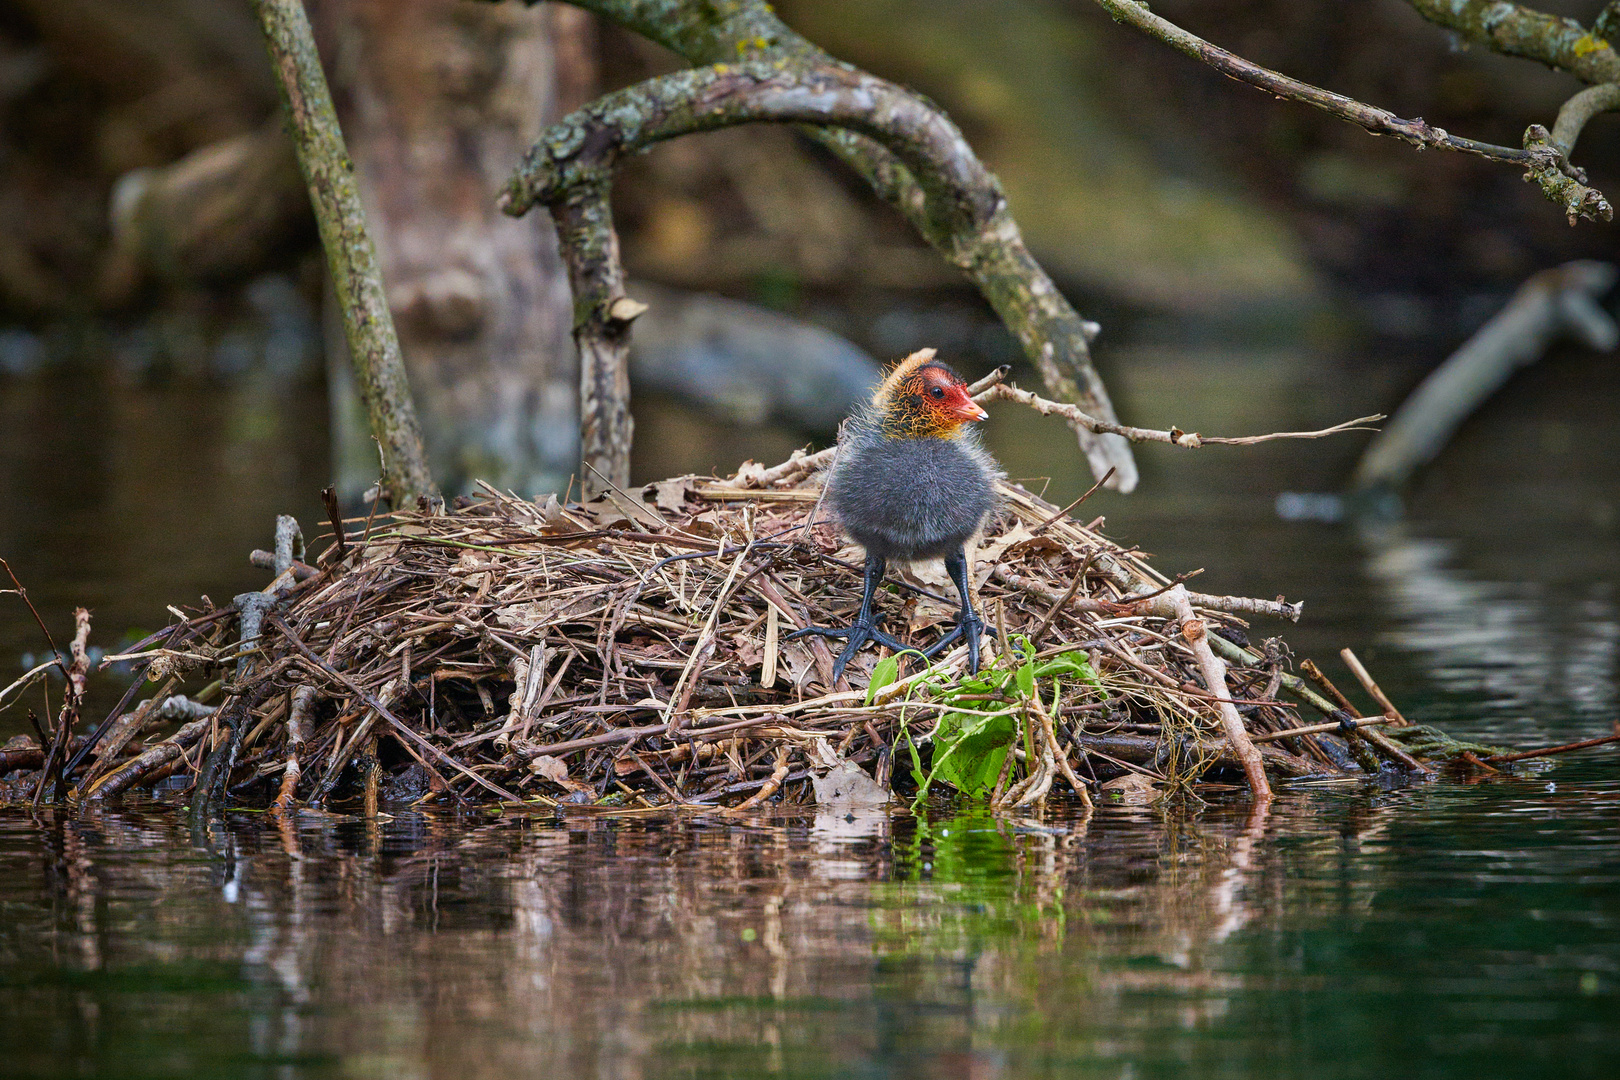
[[859, 634], [972, 628]]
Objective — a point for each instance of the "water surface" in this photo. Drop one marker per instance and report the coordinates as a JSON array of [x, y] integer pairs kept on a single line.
[[1447, 930]]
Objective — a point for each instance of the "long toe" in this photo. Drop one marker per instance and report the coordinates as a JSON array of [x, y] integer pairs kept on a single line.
[[891, 643], [939, 646], [846, 656], [820, 631]]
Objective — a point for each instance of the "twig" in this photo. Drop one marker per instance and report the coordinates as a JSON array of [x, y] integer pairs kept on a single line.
[[1317, 729], [1186, 440], [1499, 759], [380, 709], [56, 655], [1547, 162], [1197, 635], [1366, 680]]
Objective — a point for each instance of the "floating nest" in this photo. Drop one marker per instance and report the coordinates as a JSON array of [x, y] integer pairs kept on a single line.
[[634, 651]]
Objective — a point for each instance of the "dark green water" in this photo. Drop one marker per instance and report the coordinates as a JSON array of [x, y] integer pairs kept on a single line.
[[1444, 930]]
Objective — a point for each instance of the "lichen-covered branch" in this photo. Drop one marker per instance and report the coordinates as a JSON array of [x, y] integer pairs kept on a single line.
[[1418, 132], [1544, 157], [995, 259], [1515, 30], [1577, 112], [335, 195]]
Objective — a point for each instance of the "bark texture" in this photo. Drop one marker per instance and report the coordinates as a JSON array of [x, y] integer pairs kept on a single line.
[[324, 161], [993, 256], [439, 100]]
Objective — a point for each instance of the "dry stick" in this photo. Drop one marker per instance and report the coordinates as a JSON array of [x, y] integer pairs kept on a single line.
[[1319, 677], [1002, 391], [287, 797], [72, 696], [56, 654], [1360, 672], [373, 768], [545, 696], [681, 695], [1075, 782], [334, 192], [380, 709], [767, 671], [1196, 633], [1547, 163], [109, 747], [1377, 739], [1314, 729], [148, 761], [1547, 751], [1186, 440], [771, 786], [635, 734], [1090, 491]]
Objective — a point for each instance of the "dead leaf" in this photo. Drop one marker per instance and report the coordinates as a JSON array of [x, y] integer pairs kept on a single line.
[[750, 651], [670, 495], [846, 786], [556, 770]]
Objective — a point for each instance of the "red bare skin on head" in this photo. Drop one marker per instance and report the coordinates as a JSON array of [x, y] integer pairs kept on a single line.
[[927, 401]]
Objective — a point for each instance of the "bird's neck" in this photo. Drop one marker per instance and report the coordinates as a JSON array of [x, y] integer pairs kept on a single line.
[[903, 420]]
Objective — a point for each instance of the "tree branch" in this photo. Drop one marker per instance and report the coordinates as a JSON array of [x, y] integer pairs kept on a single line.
[[1186, 440], [1515, 30], [1545, 159], [995, 259], [324, 159], [1575, 113], [801, 464]]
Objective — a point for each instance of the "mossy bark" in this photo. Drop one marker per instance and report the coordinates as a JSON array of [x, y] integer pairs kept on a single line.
[[369, 327], [942, 189]]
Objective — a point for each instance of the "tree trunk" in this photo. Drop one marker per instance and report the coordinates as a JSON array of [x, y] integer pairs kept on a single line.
[[439, 100]]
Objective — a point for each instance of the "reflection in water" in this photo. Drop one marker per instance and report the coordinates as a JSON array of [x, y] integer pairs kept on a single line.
[[1167, 941], [1530, 650]]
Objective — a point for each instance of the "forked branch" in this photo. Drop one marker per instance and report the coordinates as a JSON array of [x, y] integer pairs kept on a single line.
[[914, 158], [1544, 156]]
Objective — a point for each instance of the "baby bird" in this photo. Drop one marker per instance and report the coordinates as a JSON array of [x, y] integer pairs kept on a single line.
[[912, 482]]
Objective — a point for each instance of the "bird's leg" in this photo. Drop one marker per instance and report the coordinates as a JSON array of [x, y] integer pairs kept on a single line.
[[862, 629], [968, 623]]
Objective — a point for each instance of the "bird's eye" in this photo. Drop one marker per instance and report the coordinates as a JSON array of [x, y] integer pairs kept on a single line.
[[937, 391]]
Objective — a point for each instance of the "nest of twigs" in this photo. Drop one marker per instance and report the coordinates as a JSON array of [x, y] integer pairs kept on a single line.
[[633, 651]]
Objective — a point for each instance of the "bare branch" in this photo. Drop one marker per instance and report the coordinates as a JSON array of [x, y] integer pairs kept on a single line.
[[992, 388], [996, 260], [1578, 110], [1515, 30], [1545, 159], [1418, 132], [379, 369], [1186, 440]]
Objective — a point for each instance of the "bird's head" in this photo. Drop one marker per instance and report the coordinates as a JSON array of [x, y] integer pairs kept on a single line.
[[923, 398]]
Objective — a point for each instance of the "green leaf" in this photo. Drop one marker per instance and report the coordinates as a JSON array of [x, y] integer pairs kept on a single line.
[[886, 671], [1026, 680], [970, 750], [1073, 663]]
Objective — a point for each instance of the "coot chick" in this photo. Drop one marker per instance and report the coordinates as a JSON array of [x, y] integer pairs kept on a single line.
[[911, 482]]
